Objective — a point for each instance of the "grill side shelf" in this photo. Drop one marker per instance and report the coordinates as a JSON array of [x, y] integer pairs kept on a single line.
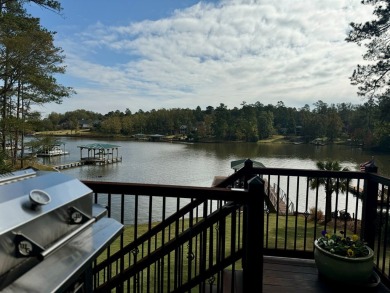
[[17, 175]]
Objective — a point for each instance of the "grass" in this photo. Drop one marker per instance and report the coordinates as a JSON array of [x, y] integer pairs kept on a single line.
[[291, 233], [274, 139], [64, 132], [31, 163]]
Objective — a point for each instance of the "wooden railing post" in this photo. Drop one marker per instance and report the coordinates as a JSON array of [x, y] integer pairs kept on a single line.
[[254, 233], [370, 201]]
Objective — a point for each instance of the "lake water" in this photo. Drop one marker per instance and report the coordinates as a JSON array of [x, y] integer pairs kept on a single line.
[[196, 164]]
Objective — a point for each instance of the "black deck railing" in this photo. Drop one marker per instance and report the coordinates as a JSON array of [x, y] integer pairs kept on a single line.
[[179, 238]]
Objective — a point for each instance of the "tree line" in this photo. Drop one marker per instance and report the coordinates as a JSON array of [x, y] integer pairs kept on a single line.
[[29, 62], [361, 124]]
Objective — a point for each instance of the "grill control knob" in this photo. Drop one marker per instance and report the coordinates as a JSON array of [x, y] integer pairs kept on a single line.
[[25, 248], [77, 217]]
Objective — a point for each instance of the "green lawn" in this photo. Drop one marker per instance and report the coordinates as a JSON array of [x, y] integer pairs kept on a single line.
[[281, 234]]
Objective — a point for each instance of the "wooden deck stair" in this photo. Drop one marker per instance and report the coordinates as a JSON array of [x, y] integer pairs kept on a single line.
[[272, 200]]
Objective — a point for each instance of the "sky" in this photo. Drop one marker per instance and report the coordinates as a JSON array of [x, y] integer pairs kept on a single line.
[[154, 54]]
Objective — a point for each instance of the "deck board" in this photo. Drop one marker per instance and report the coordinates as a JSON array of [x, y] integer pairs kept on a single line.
[[300, 275], [292, 275]]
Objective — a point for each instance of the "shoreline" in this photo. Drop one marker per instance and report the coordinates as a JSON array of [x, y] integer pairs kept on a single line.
[[276, 139]]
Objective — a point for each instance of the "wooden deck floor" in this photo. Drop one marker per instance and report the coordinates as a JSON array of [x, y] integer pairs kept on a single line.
[[300, 275], [294, 275]]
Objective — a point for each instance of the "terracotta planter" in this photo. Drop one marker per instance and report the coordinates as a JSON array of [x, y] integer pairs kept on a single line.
[[344, 269]]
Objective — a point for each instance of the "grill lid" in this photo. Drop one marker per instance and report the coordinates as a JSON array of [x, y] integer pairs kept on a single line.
[[23, 201]]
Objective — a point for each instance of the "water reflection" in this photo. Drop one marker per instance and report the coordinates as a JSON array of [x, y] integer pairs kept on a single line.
[[197, 164]]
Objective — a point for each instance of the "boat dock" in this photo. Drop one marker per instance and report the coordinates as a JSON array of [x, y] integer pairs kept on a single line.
[[277, 199], [87, 161], [97, 154], [69, 165], [100, 161], [355, 191], [383, 193]]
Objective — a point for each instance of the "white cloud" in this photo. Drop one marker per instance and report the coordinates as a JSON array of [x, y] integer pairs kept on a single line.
[[208, 54]]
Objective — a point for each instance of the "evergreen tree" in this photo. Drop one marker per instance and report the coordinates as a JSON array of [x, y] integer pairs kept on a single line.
[[28, 63], [373, 78]]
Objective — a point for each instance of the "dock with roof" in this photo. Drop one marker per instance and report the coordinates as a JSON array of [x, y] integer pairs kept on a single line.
[[99, 153], [94, 154]]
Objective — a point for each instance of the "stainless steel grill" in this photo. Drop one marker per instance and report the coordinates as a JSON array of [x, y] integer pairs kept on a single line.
[[50, 232]]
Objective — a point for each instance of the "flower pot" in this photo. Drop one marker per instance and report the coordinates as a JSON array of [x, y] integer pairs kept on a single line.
[[343, 269]]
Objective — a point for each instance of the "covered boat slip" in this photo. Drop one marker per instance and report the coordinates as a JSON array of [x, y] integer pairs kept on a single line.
[[51, 150], [100, 153]]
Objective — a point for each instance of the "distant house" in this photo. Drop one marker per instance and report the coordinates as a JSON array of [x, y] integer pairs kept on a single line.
[[84, 124], [183, 129]]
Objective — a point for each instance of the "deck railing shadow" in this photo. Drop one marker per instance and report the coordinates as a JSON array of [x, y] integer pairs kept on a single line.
[[182, 238]]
